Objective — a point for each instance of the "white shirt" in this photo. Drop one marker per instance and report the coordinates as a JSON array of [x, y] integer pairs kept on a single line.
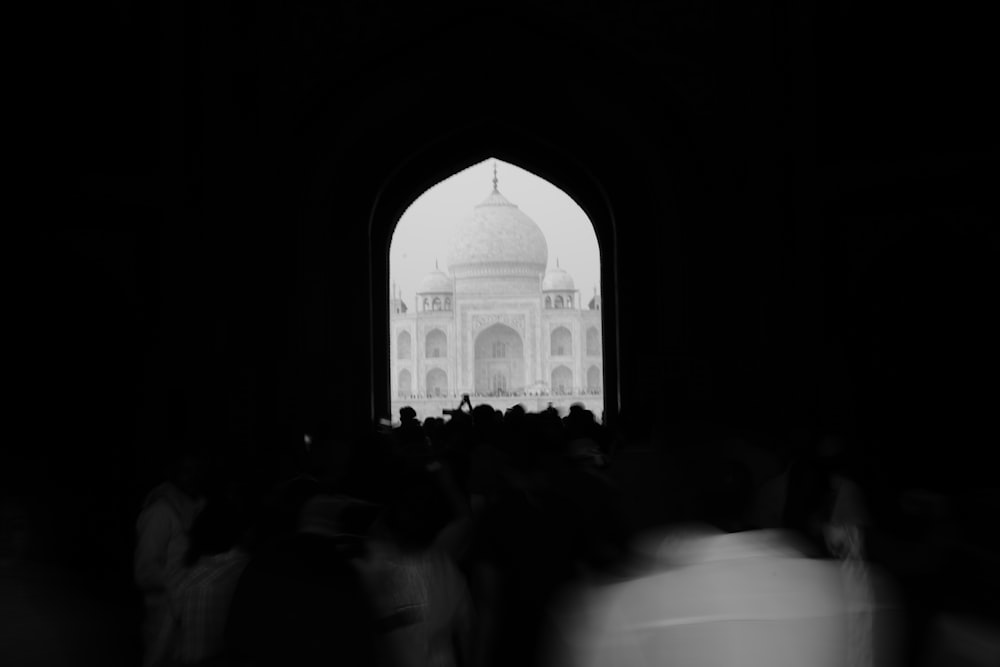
[[723, 599]]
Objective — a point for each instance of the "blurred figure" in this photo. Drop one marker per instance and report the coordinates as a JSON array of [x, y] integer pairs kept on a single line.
[[421, 598], [164, 522], [584, 436], [302, 602], [716, 598], [202, 596], [824, 501]]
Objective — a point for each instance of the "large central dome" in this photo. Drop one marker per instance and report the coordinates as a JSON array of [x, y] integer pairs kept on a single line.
[[497, 239]]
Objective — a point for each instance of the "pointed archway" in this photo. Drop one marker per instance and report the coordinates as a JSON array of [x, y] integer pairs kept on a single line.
[[499, 361], [454, 153]]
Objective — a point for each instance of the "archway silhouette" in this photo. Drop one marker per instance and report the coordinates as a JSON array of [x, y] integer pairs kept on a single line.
[[465, 148]]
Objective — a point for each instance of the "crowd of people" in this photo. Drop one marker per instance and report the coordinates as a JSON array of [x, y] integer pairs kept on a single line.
[[492, 538], [513, 393]]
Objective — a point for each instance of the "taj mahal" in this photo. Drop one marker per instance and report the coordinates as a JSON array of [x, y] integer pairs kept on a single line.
[[497, 325]]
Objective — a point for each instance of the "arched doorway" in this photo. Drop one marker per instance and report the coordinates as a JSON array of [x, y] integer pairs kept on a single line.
[[562, 342], [562, 380], [403, 345], [405, 384], [593, 342], [437, 383], [499, 361], [436, 345], [431, 168], [593, 380]]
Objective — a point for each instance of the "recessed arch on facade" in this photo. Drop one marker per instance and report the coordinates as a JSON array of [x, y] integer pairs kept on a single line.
[[499, 361], [403, 345], [593, 342], [405, 385], [593, 379], [435, 344], [561, 342], [562, 380], [437, 383]]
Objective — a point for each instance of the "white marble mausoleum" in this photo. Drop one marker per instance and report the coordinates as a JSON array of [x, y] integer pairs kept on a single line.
[[498, 325]]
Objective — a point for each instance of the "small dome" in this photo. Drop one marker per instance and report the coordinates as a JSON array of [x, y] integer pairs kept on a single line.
[[435, 282], [558, 279]]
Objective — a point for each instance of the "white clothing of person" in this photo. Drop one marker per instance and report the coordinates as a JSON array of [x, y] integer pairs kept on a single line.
[[714, 600], [162, 542], [424, 598]]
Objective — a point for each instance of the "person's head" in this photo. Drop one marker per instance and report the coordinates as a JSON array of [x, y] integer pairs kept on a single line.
[[189, 472], [484, 419], [406, 414], [514, 413], [416, 512], [580, 423]]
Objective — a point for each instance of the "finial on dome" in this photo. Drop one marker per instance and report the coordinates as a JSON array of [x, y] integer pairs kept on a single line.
[[435, 264], [495, 177], [557, 262]]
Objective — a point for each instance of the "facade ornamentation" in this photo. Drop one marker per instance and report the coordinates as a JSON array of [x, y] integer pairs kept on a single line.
[[515, 322]]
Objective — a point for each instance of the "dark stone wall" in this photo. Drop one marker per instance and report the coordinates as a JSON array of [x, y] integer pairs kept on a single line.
[[797, 199]]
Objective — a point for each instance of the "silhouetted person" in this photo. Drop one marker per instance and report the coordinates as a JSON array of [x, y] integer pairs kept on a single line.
[[553, 517], [303, 602], [584, 436], [202, 597], [824, 501], [421, 598], [410, 438], [486, 457], [162, 529]]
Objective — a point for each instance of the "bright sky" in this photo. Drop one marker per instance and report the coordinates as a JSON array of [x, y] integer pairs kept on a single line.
[[424, 231]]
